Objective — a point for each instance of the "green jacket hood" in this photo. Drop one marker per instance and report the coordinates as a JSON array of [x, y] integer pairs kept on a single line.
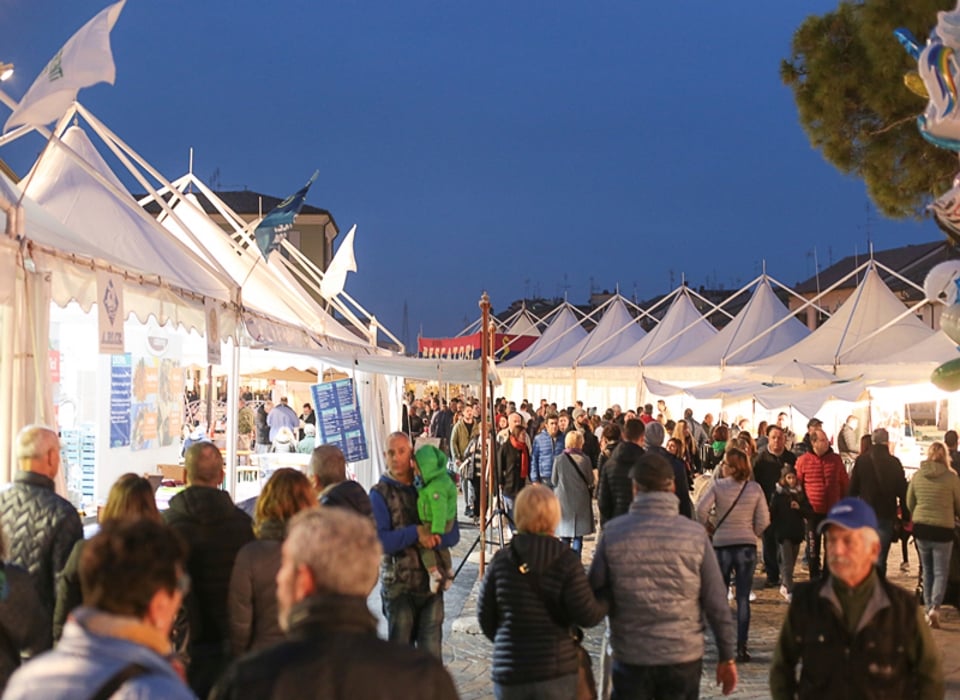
[[431, 461]]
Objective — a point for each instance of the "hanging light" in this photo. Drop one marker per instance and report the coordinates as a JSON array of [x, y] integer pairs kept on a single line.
[[6, 70]]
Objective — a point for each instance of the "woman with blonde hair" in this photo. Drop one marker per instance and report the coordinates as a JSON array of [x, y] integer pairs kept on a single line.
[[252, 596], [742, 516], [933, 499], [534, 590], [573, 480], [131, 498]]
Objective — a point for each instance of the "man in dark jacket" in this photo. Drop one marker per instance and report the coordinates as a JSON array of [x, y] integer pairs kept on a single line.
[[767, 471], [513, 462], [878, 478], [215, 530], [39, 526], [328, 476], [414, 614], [615, 490], [854, 634], [328, 569], [591, 445], [653, 439]]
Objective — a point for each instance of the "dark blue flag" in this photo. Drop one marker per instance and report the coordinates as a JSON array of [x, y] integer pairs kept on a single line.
[[275, 225]]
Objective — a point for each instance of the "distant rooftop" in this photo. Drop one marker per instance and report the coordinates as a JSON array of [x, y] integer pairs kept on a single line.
[[242, 202]]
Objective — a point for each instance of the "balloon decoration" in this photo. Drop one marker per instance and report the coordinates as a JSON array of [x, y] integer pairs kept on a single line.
[[936, 80], [943, 285]]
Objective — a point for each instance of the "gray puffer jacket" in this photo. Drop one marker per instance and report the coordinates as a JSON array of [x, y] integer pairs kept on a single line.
[[662, 577], [40, 529]]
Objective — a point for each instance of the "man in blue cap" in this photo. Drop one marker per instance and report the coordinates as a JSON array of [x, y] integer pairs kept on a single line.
[[853, 634]]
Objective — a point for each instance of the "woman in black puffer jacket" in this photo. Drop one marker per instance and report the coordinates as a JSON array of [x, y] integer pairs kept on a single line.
[[534, 654]]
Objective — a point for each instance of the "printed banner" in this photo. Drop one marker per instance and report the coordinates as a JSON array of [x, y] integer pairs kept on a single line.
[[110, 312], [339, 419], [156, 404], [121, 382], [213, 331], [467, 347]]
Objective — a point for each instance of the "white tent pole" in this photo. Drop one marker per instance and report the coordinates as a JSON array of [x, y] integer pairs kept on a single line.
[[233, 396]]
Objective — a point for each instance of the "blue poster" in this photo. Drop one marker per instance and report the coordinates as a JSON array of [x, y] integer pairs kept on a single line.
[[121, 384], [338, 418]]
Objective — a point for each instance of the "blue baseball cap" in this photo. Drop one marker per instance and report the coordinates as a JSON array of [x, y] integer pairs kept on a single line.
[[850, 513]]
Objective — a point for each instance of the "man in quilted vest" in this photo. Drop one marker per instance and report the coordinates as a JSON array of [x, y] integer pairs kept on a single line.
[[824, 479], [39, 526]]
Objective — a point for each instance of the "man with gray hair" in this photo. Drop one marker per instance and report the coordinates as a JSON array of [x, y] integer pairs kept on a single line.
[[39, 526], [878, 478], [328, 476], [328, 568], [653, 438], [853, 634]]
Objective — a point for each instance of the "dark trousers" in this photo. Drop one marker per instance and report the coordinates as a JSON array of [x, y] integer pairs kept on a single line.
[[674, 682], [416, 620], [770, 551], [814, 542]]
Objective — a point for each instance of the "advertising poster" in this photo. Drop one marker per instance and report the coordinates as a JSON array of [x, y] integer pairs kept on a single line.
[[339, 419], [121, 376], [156, 408]]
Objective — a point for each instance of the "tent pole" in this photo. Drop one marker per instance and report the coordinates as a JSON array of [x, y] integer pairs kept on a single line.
[[484, 420], [233, 400]]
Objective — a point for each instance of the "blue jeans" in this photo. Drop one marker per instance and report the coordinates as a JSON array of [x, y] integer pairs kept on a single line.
[[674, 682], [935, 559], [416, 620], [562, 688], [885, 529], [575, 543], [742, 560]]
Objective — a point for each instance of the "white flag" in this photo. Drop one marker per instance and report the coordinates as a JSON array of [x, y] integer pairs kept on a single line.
[[83, 61], [343, 262]]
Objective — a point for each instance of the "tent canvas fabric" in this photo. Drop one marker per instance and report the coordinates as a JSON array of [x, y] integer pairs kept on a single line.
[[741, 342], [562, 334], [523, 324], [616, 332]]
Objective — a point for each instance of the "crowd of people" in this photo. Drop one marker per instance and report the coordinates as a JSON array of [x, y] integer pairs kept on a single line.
[[203, 600]]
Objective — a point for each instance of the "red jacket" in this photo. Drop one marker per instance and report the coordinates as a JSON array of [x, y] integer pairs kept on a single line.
[[824, 479]]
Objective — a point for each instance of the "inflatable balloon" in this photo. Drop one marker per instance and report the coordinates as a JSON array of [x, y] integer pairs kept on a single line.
[[947, 376], [940, 284]]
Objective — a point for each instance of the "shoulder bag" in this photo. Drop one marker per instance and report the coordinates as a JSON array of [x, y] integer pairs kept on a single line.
[[710, 528], [579, 473]]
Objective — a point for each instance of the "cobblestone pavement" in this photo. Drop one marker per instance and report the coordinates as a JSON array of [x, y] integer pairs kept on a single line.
[[467, 652]]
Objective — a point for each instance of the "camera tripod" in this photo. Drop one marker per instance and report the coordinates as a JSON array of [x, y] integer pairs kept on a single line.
[[499, 515]]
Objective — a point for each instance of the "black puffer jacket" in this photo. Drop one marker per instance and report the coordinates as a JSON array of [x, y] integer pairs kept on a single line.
[[252, 603], [24, 620], [40, 529], [332, 652], [529, 644], [615, 491], [215, 530]]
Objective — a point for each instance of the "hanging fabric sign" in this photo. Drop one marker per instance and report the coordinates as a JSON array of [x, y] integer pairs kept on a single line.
[[213, 331], [110, 312]]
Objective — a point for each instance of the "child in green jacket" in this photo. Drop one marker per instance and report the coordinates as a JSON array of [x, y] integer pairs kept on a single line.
[[437, 507]]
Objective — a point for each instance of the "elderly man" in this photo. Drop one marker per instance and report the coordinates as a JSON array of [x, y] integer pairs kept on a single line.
[[824, 479], [854, 634], [653, 439], [661, 576], [513, 462], [328, 569], [282, 416], [414, 614], [328, 477], [117, 644], [216, 530], [39, 526]]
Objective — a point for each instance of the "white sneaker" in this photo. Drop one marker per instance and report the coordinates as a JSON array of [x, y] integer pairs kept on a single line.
[[787, 596], [731, 594], [933, 618], [753, 596]]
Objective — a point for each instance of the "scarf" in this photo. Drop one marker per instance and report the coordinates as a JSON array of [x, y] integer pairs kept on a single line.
[[521, 446]]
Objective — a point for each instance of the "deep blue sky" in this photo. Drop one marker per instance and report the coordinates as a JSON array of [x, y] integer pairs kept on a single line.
[[513, 147]]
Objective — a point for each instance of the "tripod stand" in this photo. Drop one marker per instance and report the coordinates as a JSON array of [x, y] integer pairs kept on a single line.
[[498, 514]]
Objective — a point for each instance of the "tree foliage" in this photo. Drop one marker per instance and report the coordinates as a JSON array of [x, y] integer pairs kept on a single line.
[[846, 71]]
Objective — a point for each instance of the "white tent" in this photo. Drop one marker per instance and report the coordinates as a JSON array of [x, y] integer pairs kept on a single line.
[[617, 331], [521, 323], [763, 327], [563, 333]]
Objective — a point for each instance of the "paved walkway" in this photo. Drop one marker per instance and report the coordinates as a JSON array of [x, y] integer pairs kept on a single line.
[[467, 652]]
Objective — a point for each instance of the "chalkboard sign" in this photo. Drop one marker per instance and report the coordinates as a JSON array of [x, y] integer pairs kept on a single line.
[[338, 418]]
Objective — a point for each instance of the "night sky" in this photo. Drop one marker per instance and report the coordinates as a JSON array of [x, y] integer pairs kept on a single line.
[[522, 148]]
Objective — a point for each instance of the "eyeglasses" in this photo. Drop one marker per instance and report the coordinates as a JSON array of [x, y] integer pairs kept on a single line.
[[183, 583]]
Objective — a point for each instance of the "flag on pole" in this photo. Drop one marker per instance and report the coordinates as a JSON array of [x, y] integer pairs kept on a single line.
[[83, 61], [275, 225], [343, 262]]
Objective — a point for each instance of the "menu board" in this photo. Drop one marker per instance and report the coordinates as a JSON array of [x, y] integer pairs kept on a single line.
[[338, 418], [121, 382]]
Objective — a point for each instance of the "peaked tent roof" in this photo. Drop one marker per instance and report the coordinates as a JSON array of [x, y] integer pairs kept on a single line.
[[101, 219], [563, 333], [617, 331], [853, 334], [681, 330], [523, 324], [741, 340]]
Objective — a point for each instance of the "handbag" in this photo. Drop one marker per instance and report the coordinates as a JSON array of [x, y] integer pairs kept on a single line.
[[586, 683], [580, 473], [711, 528]]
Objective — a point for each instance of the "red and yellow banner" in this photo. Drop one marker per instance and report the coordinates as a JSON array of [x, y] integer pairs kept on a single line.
[[467, 347]]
